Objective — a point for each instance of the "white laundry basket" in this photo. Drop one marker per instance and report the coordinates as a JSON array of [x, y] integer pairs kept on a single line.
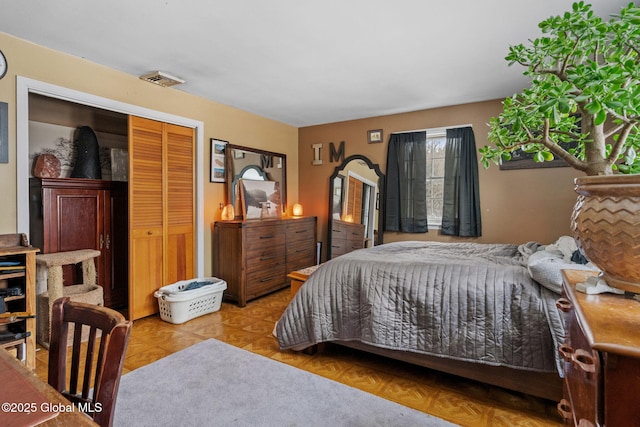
[[178, 305]]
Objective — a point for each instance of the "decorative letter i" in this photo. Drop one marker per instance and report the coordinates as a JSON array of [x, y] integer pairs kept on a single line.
[[316, 154]]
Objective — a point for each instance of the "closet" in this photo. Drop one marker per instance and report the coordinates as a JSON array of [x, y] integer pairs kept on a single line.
[[144, 226]]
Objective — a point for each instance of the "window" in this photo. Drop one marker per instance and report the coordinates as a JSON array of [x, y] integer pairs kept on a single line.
[[436, 143]]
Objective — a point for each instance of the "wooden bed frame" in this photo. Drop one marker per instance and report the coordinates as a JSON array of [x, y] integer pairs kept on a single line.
[[539, 384]]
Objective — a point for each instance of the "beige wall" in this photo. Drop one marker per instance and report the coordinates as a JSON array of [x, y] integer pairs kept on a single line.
[[220, 121], [517, 205]]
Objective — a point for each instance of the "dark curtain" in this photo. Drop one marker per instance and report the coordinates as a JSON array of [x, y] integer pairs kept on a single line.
[[406, 202], [461, 208]]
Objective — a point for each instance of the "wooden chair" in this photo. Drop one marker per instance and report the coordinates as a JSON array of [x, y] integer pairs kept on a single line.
[[99, 375]]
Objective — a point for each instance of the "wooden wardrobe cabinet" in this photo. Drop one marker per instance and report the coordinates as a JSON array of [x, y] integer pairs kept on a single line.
[[601, 356], [67, 214], [254, 257], [345, 237]]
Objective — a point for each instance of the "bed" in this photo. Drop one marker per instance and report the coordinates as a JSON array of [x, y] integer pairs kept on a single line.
[[469, 309]]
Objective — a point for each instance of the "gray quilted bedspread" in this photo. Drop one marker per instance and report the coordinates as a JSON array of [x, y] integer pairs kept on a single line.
[[465, 301]]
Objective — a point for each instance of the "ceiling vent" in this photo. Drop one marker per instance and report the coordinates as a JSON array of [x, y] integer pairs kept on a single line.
[[162, 79]]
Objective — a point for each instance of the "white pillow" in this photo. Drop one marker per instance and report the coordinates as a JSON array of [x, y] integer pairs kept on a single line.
[[545, 268], [565, 245]]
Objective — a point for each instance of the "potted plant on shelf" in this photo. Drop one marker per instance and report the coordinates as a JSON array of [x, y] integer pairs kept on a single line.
[[583, 106]]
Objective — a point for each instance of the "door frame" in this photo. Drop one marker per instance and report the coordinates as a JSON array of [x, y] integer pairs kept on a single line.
[[25, 86], [372, 226]]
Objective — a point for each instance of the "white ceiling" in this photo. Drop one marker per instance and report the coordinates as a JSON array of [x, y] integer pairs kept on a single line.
[[302, 62]]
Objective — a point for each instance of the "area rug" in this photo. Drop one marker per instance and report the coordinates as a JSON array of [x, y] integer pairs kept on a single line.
[[216, 384]]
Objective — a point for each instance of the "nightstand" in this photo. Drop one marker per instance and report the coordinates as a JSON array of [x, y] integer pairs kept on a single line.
[[601, 356], [298, 277]]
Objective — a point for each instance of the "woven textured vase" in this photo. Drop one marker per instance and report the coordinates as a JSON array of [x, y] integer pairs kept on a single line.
[[606, 225]]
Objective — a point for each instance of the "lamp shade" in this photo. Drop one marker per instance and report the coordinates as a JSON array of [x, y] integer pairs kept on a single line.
[[297, 209], [228, 213]]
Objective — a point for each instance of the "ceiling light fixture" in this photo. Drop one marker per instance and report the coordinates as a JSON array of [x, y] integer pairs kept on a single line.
[[161, 78]]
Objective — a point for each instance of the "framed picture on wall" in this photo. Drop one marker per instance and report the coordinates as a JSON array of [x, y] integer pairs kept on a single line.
[[4, 132], [217, 160], [374, 136]]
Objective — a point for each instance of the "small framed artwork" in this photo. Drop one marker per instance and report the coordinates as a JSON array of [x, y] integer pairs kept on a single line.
[[374, 136], [522, 160], [260, 199], [4, 132], [217, 160]]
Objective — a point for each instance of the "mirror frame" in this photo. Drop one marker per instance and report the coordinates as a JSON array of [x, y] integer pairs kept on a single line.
[[231, 179], [380, 202]]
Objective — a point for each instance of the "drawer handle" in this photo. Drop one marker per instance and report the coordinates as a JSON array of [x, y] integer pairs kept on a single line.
[[301, 231], [265, 258], [585, 361], [269, 236], [563, 305], [566, 352], [564, 409], [267, 279]]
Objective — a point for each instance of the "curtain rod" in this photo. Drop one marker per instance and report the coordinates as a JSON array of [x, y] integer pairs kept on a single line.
[[438, 129]]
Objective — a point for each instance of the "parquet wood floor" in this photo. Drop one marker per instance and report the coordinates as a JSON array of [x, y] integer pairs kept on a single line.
[[461, 401]]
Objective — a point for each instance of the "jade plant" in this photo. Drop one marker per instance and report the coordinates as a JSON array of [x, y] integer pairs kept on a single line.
[[583, 104]]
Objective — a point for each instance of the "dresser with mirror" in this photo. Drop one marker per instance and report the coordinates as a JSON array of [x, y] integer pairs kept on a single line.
[[254, 253]]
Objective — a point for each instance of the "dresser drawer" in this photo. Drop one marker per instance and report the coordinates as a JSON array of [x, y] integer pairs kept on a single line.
[[339, 227], [307, 247], [264, 281], [339, 247], [301, 230], [265, 259], [262, 245], [354, 242], [264, 233], [300, 257]]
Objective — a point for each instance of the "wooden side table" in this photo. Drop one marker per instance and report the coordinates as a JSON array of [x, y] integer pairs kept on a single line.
[[298, 277]]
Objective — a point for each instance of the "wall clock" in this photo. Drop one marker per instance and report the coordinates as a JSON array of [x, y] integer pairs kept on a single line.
[[3, 65]]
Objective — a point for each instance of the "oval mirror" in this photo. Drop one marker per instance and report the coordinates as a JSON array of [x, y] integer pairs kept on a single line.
[[355, 206], [254, 173], [253, 164]]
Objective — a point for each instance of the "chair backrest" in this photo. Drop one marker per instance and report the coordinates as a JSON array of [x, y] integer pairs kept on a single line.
[[96, 364]]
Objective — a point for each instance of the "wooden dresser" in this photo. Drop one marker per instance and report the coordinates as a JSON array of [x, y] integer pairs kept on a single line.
[[601, 356], [345, 237], [254, 257]]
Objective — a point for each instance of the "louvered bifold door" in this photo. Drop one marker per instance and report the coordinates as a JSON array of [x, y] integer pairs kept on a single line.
[[354, 201], [162, 210], [180, 213], [146, 225]]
